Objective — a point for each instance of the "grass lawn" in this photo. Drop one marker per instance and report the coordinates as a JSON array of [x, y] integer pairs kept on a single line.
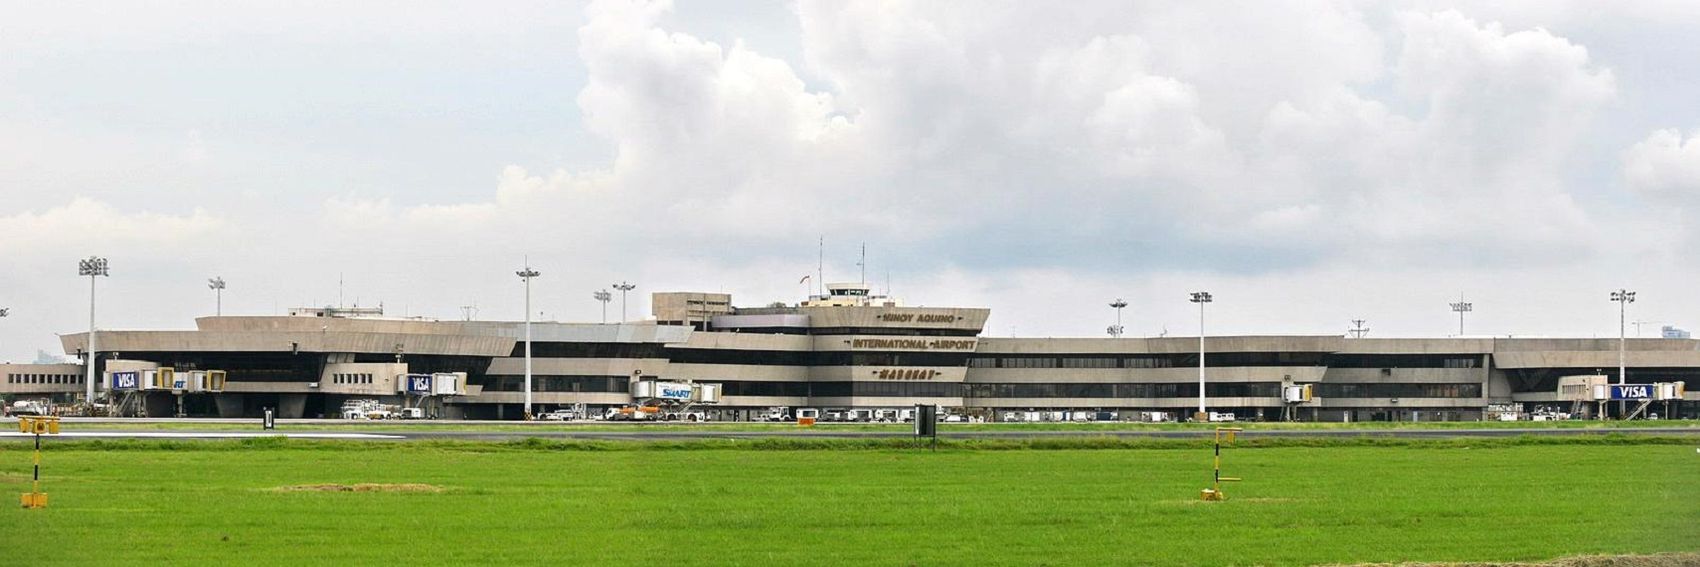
[[376, 426], [215, 503]]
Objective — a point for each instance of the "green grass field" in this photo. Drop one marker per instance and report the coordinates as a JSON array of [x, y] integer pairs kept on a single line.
[[632, 503], [870, 427]]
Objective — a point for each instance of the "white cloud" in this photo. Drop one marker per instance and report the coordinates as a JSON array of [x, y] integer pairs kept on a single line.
[[1665, 166], [997, 153]]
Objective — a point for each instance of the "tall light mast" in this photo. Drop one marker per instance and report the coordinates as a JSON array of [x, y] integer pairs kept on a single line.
[[1462, 307], [217, 285], [1116, 330], [1201, 298], [603, 296], [1623, 297], [526, 274], [92, 266], [624, 287]]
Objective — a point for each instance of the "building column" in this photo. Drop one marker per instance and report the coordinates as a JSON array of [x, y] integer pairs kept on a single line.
[[291, 405], [229, 405]]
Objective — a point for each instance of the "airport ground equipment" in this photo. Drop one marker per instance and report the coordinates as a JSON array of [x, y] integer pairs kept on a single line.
[[654, 400], [38, 425], [1293, 396], [1214, 493], [1643, 394], [429, 391]]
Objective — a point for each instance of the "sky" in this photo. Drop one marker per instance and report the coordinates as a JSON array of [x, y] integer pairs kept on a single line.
[[1309, 163]]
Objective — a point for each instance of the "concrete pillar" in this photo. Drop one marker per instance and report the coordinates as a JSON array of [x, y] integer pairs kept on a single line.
[[159, 404], [291, 405], [229, 405]]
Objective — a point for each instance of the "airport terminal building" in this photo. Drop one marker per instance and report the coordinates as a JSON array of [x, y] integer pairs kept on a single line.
[[843, 350]]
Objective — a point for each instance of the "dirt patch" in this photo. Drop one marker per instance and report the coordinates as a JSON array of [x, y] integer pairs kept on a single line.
[[1655, 560], [362, 487]]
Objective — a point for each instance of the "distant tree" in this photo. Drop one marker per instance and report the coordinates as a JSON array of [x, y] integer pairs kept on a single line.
[[778, 304]]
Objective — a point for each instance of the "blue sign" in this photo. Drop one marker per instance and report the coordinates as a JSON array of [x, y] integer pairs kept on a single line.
[[1632, 391], [124, 380], [419, 383]]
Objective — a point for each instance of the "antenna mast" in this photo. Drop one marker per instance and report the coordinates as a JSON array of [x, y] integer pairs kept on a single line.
[[863, 263], [820, 266], [1358, 329]]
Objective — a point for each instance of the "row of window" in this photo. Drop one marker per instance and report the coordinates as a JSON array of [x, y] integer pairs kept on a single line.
[[1398, 390], [1224, 359], [1107, 360], [1074, 390], [582, 384], [44, 379], [351, 378], [1177, 390]]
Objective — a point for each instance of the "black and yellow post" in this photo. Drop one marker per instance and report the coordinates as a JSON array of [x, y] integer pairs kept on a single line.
[[1214, 493], [39, 425]]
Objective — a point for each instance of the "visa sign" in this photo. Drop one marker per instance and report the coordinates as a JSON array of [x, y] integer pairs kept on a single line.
[[419, 383], [1632, 392], [124, 380]]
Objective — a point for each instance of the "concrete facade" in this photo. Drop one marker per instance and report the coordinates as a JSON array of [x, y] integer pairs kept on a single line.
[[858, 355]]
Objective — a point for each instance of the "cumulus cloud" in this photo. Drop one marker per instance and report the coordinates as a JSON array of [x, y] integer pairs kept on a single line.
[[1665, 165], [993, 153], [97, 226]]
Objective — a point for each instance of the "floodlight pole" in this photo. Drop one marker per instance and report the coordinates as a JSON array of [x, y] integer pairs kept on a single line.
[[92, 266], [217, 285], [624, 287], [1118, 304], [602, 295], [1623, 297], [1201, 298], [526, 274], [1462, 307]]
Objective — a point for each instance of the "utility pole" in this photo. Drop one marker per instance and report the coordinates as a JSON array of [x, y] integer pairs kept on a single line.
[[526, 274], [1201, 298], [1116, 330], [217, 285], [1623, 297], [91, 267], [1462, 307], [624, 287]]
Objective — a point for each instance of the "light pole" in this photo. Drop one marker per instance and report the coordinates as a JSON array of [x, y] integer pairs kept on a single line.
[[1623, 297], [1116, 331], [1462, 307], [91, 267], [4, 311], [526, 274], [624, 287], [1201, 298], [603, 296], [217, 285]]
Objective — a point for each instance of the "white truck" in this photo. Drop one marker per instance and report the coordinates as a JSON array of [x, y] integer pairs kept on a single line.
[[29, 407]]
